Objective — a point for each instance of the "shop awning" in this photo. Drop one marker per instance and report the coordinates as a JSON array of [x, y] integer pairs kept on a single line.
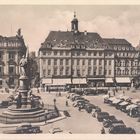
[[47, 81], [123, 80], [129, 107], [96, 79], [61, 81], [79, 81], [109, 80], [124, 103]]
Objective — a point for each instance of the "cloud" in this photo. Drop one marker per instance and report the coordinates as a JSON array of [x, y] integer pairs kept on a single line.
[[37, 22]]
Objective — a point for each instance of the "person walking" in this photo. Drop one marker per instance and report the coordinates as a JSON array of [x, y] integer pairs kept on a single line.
[[66, 103]]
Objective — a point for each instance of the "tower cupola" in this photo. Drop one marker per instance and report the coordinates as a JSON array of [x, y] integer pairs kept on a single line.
[[74, 24]]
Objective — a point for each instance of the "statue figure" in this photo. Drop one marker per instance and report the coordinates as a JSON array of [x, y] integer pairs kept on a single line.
[[23, 65]]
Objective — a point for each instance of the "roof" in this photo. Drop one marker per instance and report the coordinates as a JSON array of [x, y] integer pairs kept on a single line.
[[12, 39], [67, 38], [116, 41]]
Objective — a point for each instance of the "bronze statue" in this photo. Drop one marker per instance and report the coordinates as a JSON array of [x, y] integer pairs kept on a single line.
[[23, 65]]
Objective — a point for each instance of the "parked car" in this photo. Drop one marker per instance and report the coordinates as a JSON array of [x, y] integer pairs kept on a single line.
[[102, 115], [58, 131], [122, 129], [27, 128], [109, 123], [95, 111], [116, 128], [88, 107]]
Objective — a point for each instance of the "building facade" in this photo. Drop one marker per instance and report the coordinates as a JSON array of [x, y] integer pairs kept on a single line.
[[11, 51], [74, 57]]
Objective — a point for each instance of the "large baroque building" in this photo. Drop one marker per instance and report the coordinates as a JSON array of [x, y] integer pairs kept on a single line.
[[11, 50], [79, 58]]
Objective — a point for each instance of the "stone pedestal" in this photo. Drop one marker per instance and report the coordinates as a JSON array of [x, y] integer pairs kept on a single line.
[[23, 112]]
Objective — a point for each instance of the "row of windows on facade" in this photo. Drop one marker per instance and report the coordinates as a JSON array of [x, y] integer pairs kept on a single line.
[[126, 72], [77, 53], [11, 55], [127, 63], [11, 70], [126, 54], [10, 44], [68, 71], [77, 62]]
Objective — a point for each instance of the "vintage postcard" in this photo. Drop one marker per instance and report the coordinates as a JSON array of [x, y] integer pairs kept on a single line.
[[71, 69]]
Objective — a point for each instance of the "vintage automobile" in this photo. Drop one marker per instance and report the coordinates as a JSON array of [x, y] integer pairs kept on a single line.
[[121, 129], [108, 123], [102, 115], [88, 107], [58, 131], [24, 129]]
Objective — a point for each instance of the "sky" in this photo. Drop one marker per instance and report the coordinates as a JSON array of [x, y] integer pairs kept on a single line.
[[36, 21]]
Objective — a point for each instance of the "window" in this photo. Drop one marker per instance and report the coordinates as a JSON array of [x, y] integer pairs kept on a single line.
[[1, 55], [67, 53], [105, 62], [100, 62], [49, 72], [44, 52], [89, 70], [0, 82], [0, 69], [11, 55], [61, 71], [109, 72], [78, 53], [89, 62], [44, 62], [78, 73], [67, 62], [100, 71], [55, 61], [55, 52], [100, 53], [67, 71], [94, 71], [55, 71], [95, 62], [61, 53], [105, 72], [48, 52], [11, 69], [78, 62], [49, 62], [61, 61], [83, 53], [89, 53], [83, 62], [109, 62], [95, 53], [44, 72]]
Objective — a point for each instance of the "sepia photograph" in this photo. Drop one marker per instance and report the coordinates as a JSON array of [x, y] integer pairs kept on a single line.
[[70, 69]]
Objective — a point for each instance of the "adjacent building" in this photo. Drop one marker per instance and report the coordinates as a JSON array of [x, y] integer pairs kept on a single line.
[[85, 58], [11, 50]]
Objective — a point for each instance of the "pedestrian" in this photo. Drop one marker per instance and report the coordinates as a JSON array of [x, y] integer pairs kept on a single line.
[[54, 100], [79, 108], [66, 103], [102, 130], [59, 93], [123, 92]]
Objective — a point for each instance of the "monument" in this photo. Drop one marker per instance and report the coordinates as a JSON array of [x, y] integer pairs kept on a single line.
[[26, 108]]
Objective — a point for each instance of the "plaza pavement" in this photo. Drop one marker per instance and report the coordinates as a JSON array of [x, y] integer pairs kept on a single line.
[[81, 121]]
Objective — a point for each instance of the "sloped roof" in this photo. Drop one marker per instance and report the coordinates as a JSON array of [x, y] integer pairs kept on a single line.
[[13, 39], [68, 37], [116, 41]]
